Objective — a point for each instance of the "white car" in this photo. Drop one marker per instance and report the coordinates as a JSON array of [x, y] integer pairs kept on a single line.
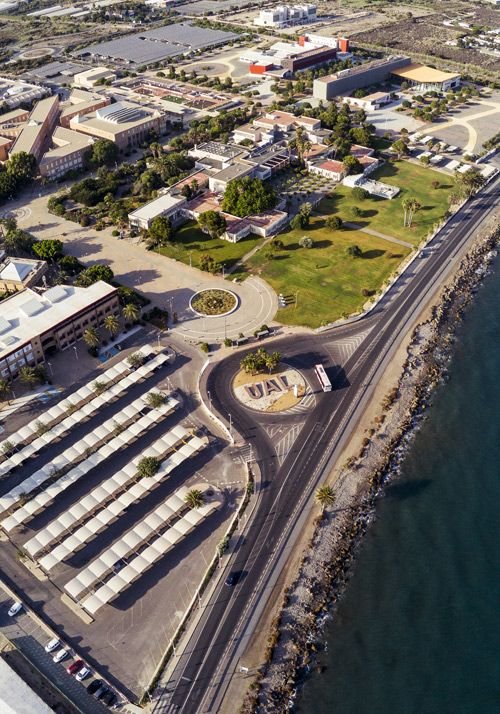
[[50, 646], [16, 607], [62, 654], [82, 673]]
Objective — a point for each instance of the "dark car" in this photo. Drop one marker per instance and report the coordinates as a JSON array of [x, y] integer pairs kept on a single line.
[[109, 698], [101, 691], [232, 579], [94, 685]]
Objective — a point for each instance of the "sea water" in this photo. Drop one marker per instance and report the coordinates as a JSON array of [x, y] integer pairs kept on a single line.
[[418, 629]]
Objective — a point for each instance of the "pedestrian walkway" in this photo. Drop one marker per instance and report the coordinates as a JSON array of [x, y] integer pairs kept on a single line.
[[41, 393], [371, 232]]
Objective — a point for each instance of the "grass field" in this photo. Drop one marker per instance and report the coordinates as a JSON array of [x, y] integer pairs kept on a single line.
[[386, 216], [328, 280], [189, 239]]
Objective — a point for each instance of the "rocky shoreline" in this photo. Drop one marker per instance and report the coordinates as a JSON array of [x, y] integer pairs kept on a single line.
[[324, 570]]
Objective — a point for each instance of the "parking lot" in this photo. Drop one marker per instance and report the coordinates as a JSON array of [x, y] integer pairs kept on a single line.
[[31, 639], [124, 635]]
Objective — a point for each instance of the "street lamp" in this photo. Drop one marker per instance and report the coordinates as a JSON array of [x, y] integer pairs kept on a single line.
[[223, 273], [296, 299], [50, 368], [209, 400], [230, 424], [190, 262], [76, 351]]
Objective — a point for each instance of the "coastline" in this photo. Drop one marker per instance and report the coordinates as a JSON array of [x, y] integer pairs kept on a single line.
[[310, 599]]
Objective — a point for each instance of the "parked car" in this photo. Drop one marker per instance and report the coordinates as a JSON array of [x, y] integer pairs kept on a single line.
[[59, 656], [50, 646], [99, 693], [94, 685], [82, 673], [15, 608], [76, 666], [109, 698]]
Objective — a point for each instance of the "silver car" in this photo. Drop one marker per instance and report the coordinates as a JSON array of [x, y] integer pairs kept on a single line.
[[50, 646], [59, 656]]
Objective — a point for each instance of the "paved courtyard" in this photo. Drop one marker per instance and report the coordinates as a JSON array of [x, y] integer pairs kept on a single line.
[[167, 283]]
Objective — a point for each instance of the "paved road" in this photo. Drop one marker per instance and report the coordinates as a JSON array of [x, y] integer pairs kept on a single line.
[[203, 671]]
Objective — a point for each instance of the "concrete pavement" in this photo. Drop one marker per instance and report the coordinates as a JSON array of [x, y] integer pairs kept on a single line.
[[168, 283]]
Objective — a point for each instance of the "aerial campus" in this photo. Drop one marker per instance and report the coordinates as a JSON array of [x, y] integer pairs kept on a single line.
[[222, 228]]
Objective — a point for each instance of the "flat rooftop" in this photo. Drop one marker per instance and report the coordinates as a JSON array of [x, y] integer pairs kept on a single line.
[[157, 207], [360, 68], [65, 142], [28, 314], [158, 44], [416, 72]]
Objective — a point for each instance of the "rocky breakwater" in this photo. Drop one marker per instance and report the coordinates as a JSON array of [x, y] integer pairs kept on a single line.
[[296, 632]]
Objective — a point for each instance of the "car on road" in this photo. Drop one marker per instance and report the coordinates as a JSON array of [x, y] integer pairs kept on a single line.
[[76, 666], [62, 654], [94, 686], [231, 579], [82, 673], [15, 608], [50, 646]]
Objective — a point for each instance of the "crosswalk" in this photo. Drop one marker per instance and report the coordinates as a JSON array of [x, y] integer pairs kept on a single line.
[[341, 349], [284, 438], [307, 402]]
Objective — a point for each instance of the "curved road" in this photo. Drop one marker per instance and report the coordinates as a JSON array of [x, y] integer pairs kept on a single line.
[[203, 671]]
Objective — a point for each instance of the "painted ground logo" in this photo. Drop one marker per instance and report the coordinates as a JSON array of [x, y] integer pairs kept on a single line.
[[270, 392]]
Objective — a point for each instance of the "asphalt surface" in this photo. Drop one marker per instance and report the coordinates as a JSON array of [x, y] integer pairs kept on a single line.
[[203, 671], [31, 639]]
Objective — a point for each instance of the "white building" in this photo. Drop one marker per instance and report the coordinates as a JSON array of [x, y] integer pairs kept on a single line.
[[166, 205], [92, 77], [286, 16]]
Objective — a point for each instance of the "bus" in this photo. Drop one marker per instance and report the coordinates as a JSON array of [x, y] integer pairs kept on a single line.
[[322, 376]]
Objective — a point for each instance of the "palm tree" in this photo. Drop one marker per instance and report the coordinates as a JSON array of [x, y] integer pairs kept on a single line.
[[325, 496], [112, 325], [194, 498], [91, 337], [249, 363], [28, 375], [155, 400], [130, 312], [414, 206], [405, 203], [4, 389]]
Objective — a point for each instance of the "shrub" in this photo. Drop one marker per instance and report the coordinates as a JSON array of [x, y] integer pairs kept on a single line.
[[306, 242], [205, 347]]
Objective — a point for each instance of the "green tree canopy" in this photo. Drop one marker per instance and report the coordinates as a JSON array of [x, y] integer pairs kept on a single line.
[[334, 222], [352, 165], [104, 152], [248, 196], [160, 232], [21, 166], [91, 275], [48, 249], [213, 223]]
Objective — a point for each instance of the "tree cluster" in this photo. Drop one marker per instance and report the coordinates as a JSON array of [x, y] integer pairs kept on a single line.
[[15, 173], [260, 360], [248, 196]]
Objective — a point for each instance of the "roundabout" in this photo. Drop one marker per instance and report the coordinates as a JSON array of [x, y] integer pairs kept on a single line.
[[214, 302], [273, 392]]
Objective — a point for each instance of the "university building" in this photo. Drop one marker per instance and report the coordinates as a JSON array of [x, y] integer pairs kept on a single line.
[[34, 325]]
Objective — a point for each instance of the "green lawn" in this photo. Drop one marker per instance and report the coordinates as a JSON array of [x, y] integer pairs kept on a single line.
[[329, 281], [386, 216], [190, 239]]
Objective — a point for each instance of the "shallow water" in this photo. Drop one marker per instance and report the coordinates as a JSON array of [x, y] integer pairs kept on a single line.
[[418, 629]]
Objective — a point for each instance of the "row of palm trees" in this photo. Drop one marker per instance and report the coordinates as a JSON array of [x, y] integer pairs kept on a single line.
[[410, 206], [111, 324]]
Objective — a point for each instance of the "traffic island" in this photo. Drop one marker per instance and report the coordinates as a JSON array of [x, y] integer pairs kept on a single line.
[[265, 392]]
